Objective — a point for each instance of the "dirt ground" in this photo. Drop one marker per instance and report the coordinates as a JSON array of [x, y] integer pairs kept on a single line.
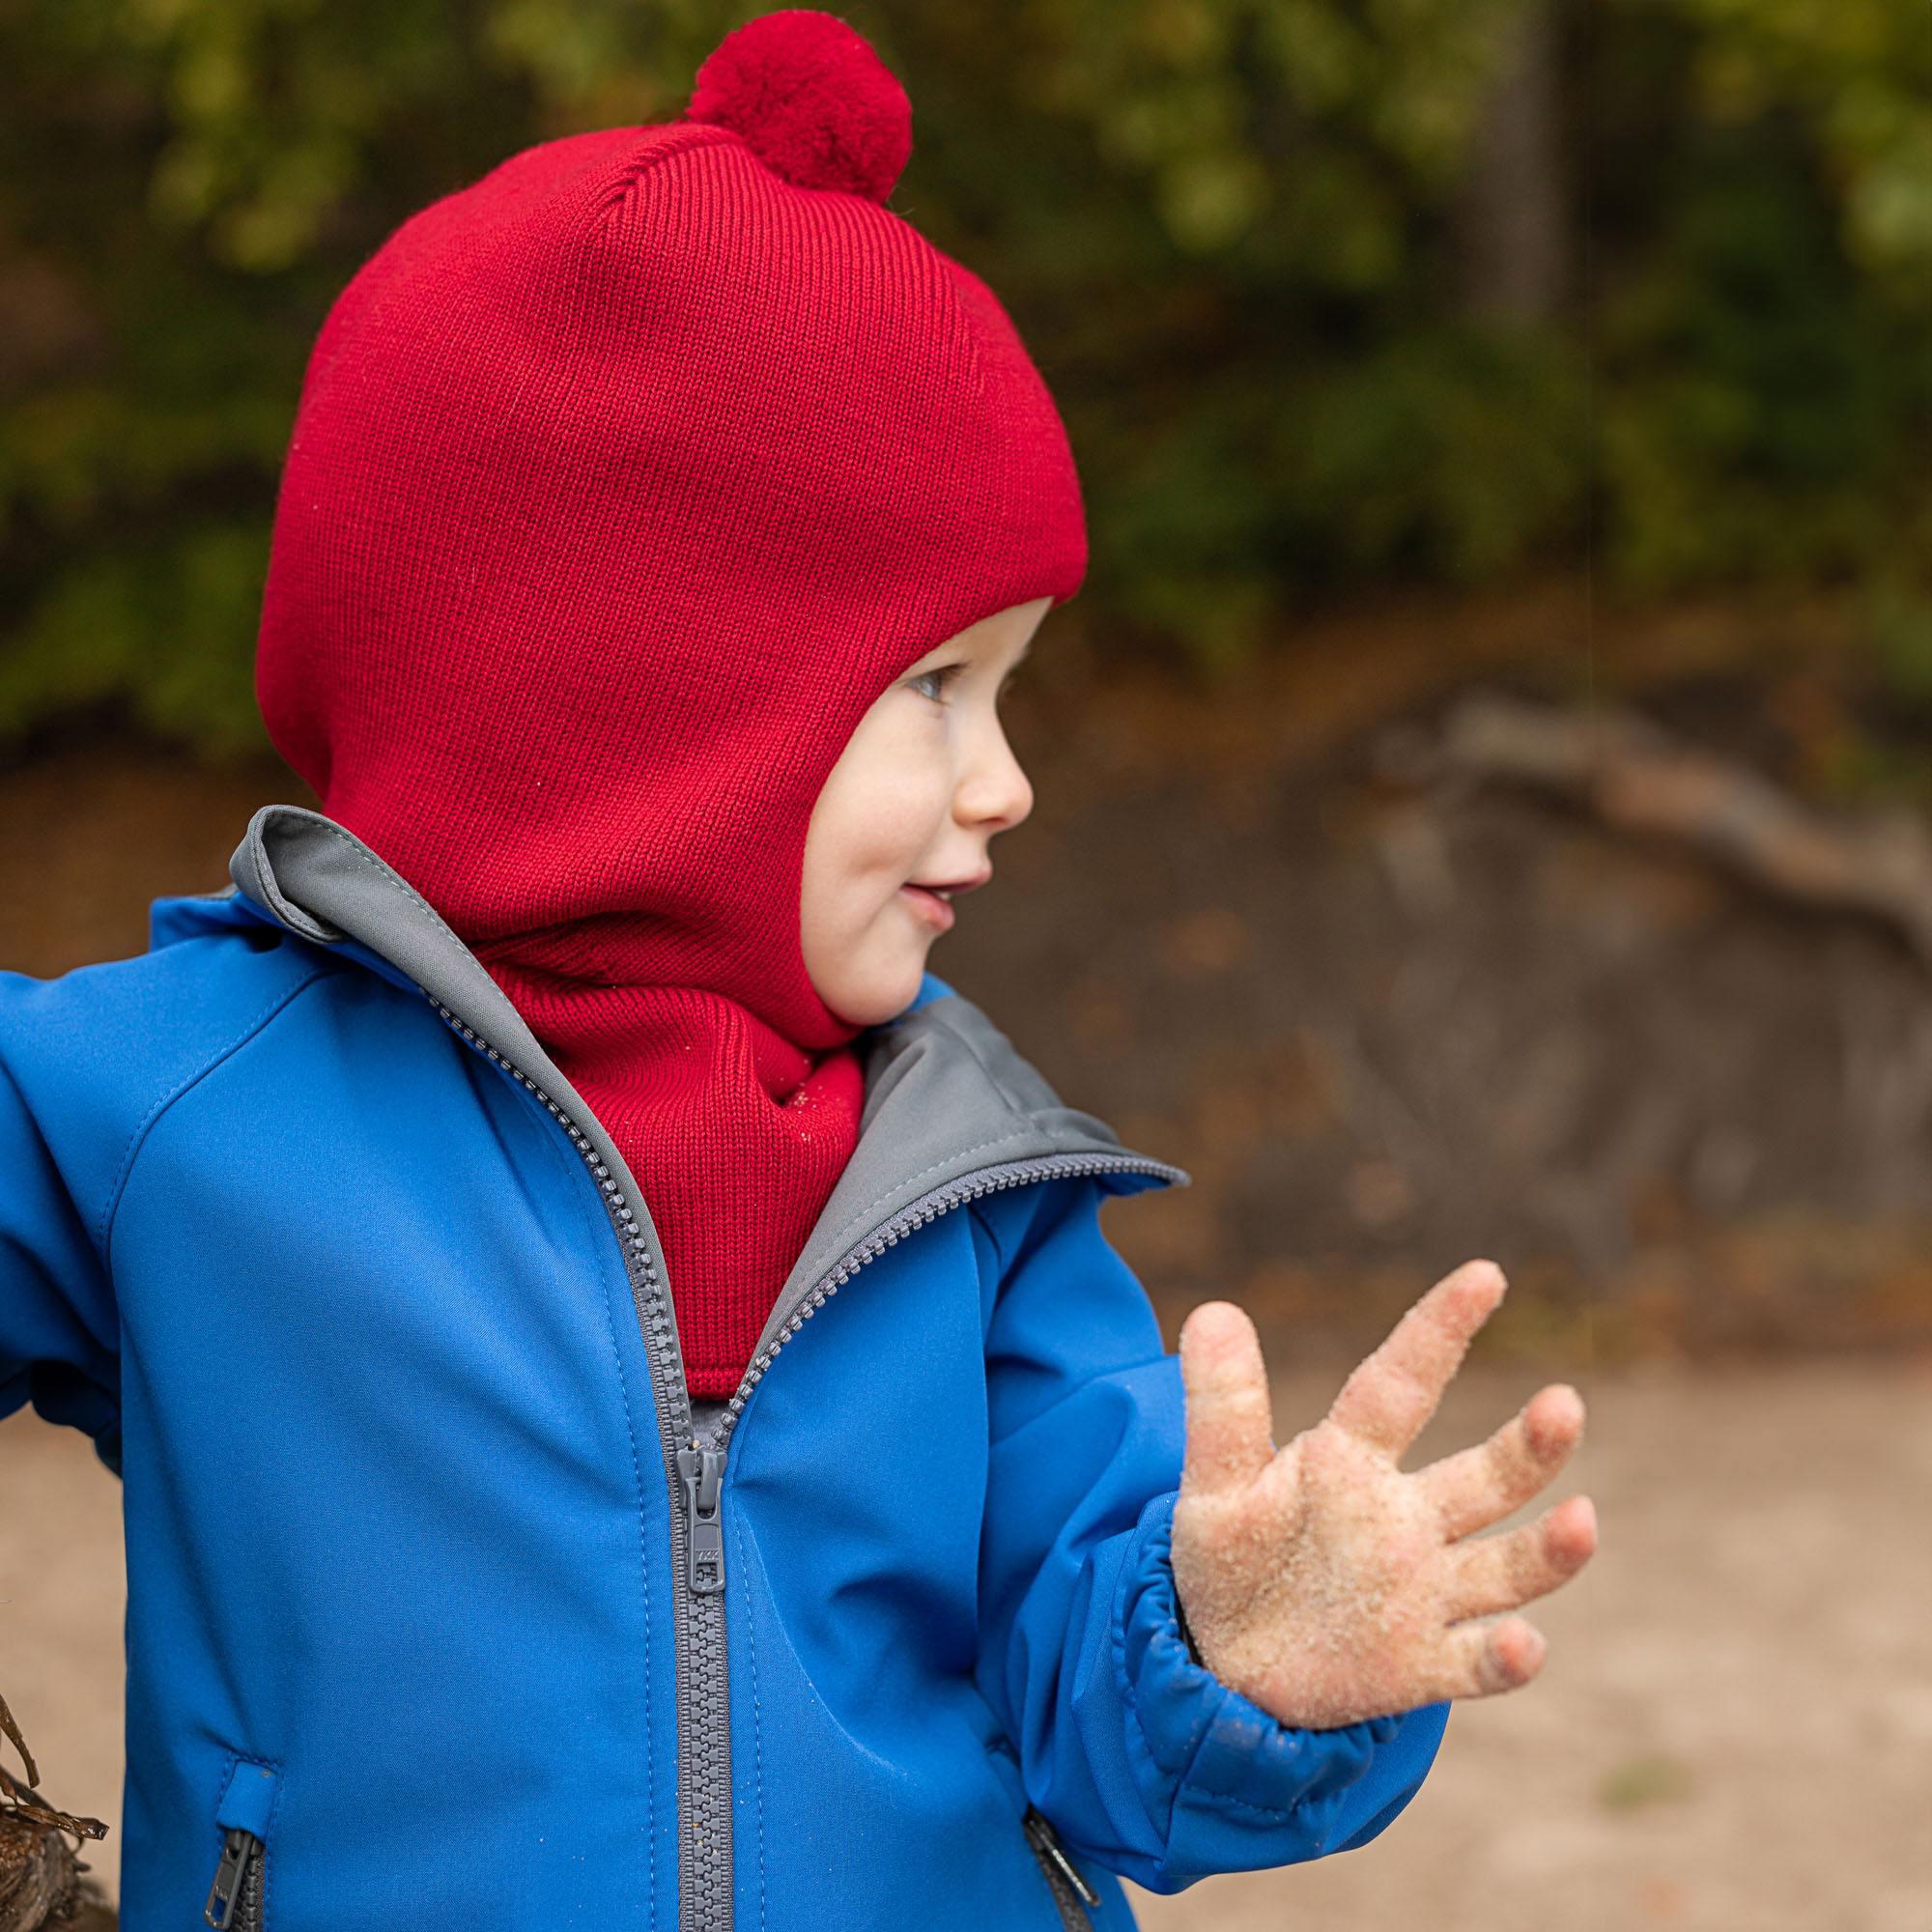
[[1733, 1732]]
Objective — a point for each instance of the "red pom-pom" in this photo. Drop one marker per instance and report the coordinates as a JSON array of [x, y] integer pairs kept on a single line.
[[812, 99]]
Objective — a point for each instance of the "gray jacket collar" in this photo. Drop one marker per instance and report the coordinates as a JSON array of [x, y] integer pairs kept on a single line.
[[945, 1093]]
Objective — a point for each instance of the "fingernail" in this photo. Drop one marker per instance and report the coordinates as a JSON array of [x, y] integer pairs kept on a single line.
[[1588, 1517], [1534, 1651]]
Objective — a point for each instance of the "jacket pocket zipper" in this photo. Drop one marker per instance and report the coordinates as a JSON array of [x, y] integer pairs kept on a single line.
[[1070, 1891], [235, 1898]]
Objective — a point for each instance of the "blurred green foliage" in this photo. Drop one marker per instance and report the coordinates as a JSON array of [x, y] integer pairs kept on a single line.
[[1252, 243]]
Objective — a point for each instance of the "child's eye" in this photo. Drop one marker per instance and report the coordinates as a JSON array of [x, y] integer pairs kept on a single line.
[[937, 677]]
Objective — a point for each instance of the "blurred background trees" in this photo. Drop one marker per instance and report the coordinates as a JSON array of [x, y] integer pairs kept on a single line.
[[1334, 293]]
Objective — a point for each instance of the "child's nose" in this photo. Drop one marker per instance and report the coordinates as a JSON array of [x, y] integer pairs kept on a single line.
[[997, 790]]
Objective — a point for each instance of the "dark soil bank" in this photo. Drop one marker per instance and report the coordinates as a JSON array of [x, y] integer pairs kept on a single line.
[[1385, 1031]]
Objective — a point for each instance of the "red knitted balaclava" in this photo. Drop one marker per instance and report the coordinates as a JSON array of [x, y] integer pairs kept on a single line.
[[623, 481]]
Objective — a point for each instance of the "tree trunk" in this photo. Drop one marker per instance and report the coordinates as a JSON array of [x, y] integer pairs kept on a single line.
[[1515, 208]]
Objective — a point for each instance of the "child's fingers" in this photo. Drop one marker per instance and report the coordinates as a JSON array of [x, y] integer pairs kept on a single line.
[[1485, 1659], [1477, 1486], [1503, 1572], [1389, 1398], [1229, 1417]]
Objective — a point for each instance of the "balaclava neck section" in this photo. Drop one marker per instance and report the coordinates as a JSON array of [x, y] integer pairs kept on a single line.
[[622, 483]]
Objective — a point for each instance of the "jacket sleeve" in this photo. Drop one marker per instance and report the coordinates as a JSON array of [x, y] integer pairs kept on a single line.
[[1140, 1757], [59, 1331]]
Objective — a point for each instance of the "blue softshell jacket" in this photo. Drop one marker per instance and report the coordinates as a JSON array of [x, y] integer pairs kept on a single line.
[[449, 1607]]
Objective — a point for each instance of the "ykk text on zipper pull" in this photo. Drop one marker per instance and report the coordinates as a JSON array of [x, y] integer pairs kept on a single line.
[[704, 1534]]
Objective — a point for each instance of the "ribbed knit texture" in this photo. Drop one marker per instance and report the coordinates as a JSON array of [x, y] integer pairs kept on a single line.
[[623, 482]]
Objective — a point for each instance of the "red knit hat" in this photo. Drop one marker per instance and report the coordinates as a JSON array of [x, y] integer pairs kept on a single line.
[[623, 482]]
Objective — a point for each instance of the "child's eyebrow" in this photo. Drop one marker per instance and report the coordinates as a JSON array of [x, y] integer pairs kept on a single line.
[[1019, 659]]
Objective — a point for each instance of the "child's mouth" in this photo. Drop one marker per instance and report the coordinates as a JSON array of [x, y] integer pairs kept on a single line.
[[930, 905]]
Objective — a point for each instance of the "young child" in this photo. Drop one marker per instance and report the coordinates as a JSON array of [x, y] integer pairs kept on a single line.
[[440, 1230]]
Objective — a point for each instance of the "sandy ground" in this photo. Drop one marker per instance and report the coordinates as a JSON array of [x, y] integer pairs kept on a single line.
[[1733, 1732]]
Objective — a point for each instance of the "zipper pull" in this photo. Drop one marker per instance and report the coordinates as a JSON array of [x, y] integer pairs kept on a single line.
[[238, 1849], [704, 1535], [1040, 1831]]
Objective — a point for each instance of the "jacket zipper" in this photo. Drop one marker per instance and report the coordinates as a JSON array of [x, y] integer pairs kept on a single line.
[[1070, 1889], [704, 1745], [234, 1898], [694, 1471]]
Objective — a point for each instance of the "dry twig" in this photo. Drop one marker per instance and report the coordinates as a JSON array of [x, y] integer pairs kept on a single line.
[[41, 1884]]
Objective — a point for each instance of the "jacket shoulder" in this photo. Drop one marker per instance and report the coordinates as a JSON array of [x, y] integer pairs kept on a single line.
[[94, 1056]]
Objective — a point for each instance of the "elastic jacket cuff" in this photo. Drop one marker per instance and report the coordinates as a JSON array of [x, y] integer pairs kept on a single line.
[[1237, 1789]]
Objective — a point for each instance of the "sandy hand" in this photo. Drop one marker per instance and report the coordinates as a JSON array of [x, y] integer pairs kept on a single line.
[[1323, 1583]]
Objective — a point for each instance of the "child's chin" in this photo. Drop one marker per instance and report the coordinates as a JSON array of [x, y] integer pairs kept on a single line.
[[881, 997]]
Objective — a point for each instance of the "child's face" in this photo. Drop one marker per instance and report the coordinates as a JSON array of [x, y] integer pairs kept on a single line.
[[920, 789]]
